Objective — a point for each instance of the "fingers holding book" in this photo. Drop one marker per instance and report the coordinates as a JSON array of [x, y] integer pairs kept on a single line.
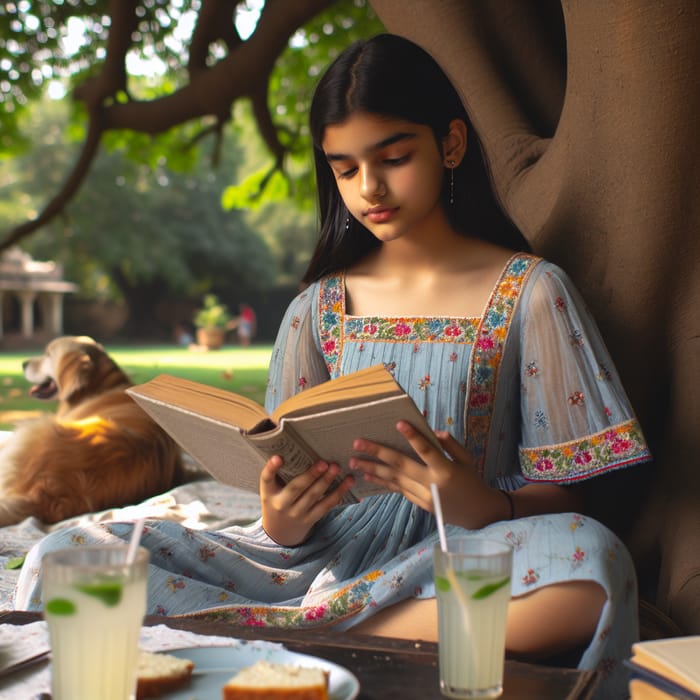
[[451, 468], [290, 510], [396, 471]]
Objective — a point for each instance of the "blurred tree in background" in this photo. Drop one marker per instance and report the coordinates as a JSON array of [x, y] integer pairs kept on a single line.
[[159, 148]]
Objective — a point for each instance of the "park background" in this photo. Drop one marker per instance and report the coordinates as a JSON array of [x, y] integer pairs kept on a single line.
[[160, 220]]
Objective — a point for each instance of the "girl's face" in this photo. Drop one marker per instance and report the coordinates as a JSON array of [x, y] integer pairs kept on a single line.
[[388, 172]]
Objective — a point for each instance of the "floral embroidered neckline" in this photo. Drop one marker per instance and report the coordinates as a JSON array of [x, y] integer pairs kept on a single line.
[[336, 326], [406, 328], [411, 329]]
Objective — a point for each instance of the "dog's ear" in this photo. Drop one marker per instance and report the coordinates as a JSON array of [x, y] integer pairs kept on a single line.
[[88, 343], [73, 373]]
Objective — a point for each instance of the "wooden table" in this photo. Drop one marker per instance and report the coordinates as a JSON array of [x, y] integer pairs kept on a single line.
[[388, 669]]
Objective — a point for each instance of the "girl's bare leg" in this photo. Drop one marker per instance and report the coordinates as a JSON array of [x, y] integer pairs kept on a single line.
[[548, 621]]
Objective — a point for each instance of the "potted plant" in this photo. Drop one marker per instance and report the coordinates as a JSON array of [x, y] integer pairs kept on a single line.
[[212, 322]]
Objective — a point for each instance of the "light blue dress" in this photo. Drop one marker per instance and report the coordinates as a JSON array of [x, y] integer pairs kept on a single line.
[[528, 387]]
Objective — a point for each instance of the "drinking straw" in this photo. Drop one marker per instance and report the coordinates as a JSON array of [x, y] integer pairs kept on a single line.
[[438, 516], [134, 541], [449, 571]]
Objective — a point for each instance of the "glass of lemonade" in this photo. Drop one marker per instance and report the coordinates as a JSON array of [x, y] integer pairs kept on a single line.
[[472, 585], [94, 603]]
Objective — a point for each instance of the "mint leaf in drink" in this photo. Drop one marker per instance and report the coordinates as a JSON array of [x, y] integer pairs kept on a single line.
[[442, 584], [109, 592], [14, 562], [60, 606], [489, 588]]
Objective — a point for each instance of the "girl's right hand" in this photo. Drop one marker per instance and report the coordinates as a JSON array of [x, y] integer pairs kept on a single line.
[[290, 511]]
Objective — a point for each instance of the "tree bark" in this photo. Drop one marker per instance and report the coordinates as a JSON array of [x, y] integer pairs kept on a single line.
[[600, 173]]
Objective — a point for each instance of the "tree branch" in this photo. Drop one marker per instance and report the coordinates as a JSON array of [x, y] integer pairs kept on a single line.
[[67, 191], [214, 23], [112, 76], [211, 90]]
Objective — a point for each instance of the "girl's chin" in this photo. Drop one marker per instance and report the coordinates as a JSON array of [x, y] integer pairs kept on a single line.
[[385, 233], [387, 237]]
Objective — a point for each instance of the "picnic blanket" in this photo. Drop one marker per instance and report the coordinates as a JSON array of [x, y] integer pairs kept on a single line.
[[201, 503]]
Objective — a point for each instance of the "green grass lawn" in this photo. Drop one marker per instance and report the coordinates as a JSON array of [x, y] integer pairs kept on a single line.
[[243, 370]]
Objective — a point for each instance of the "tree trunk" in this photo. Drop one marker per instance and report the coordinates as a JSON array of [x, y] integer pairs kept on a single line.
[[594, 155]]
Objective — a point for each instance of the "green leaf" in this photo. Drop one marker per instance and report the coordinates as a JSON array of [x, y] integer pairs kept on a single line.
[[259, 188], [276, 188], [489, 588], [109, 592], [60, 606], [15, 562], [442, 584]]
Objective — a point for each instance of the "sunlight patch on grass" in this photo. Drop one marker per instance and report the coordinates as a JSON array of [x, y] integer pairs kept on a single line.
[[166, 356]]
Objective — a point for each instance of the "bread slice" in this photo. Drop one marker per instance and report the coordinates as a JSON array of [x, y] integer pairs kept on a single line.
[[161, 673], [268, 681]]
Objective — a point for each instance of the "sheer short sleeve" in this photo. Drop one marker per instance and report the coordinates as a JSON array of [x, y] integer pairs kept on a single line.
[[576, 418], [296, 360]]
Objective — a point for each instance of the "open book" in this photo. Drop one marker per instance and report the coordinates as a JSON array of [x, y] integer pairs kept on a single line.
[[232, 436], [666, 668]]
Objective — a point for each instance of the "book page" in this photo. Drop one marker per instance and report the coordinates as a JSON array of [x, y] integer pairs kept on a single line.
[[641, 690], [675, 658], [331, 435], [366, 384], [297, 456], [219, 404]]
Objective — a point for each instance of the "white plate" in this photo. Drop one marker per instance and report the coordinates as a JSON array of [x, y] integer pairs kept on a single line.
[[213, 666]]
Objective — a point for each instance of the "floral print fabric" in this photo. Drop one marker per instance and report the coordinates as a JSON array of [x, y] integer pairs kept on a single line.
[[528, 387]]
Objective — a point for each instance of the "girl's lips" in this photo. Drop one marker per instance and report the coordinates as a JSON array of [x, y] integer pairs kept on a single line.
[[380, 215]]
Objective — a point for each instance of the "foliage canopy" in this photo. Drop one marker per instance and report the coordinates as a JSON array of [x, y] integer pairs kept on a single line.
[[157, 79], [173, 117]]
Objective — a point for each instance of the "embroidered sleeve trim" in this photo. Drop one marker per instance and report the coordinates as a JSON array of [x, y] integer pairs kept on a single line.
[[613, 448]]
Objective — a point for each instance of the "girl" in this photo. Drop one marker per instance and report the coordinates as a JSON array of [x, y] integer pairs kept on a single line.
[[495, 347]]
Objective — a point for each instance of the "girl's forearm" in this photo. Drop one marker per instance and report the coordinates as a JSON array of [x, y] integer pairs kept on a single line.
[[494, 505], [538, 499]]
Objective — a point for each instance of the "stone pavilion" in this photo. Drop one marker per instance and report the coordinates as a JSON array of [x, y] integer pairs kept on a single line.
[[31, 297]]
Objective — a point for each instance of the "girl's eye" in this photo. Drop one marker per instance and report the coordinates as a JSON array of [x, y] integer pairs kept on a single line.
[[390, 162], [397, 161]]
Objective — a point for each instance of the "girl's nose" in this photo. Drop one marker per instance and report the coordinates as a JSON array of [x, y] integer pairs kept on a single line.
[[371, 186]]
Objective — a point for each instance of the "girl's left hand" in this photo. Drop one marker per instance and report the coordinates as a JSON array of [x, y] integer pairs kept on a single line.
[[465, 499]]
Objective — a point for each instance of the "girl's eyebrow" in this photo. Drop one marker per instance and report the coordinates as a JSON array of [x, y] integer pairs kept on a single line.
[[394, 138]]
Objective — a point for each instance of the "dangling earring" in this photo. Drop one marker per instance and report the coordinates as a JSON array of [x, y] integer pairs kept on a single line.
[[451, 163], [347, 224]]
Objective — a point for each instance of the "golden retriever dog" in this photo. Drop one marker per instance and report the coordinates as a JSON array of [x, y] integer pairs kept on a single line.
[[99, 450]]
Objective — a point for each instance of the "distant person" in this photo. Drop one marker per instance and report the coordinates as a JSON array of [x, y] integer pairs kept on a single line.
[[183, 336], [245, 326]]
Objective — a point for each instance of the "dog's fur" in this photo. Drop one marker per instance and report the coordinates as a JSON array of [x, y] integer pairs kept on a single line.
[[99, 451]]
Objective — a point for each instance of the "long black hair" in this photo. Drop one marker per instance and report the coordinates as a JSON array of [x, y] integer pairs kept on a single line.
[[390, 76]]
